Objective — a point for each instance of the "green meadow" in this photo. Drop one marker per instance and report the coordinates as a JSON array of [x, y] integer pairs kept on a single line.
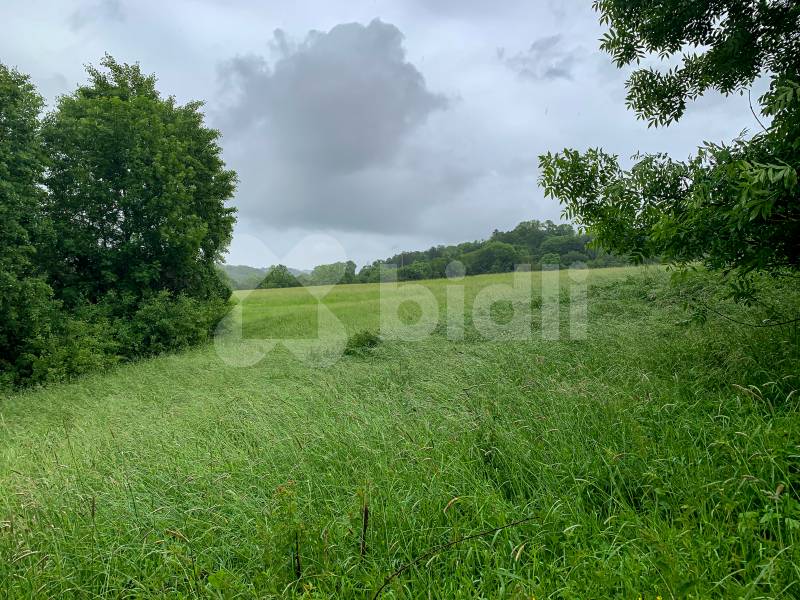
[[651, 457]]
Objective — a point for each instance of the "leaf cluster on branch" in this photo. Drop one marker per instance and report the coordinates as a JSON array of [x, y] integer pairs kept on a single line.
[[734, 207]]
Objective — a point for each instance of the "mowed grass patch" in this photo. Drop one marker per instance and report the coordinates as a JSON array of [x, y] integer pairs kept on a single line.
[[652, 458]]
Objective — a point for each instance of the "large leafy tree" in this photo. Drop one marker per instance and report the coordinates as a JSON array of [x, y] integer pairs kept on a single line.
[[329, 274], [137, 192], [25, 304], [278, 276], [492, 257], [734, 207]]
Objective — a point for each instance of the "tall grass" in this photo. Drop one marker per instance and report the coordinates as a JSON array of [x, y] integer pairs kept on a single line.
[[653, 458]]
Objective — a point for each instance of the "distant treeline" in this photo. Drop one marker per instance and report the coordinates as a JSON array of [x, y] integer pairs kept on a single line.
[[531, 243], [243, 277]]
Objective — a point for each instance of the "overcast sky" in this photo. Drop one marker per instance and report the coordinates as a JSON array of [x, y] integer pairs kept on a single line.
[[362, 127]]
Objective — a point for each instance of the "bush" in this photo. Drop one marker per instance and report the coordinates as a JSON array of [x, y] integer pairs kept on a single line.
[[360, 342], [75, 347], [61, 345], [96, 336], [607, 260], [573, 257], [166, 323], [550, 259], [493, 257]]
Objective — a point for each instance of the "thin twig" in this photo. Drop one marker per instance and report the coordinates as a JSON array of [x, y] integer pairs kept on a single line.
[[732, 320], [754, 112], [443, 547]]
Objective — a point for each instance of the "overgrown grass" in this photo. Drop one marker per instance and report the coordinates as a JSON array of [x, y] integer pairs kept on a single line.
[[653, 459]]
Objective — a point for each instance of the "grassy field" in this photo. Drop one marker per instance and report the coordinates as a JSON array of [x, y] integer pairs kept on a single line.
[[648, 458]]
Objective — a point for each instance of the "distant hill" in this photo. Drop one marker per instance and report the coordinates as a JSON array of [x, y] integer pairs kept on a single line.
[[244, 277], [531, 243]]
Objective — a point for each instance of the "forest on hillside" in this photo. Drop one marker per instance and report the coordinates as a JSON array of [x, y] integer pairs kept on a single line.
[[533, 243]]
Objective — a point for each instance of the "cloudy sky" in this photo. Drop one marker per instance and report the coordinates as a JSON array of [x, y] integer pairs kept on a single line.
[[362, 127]]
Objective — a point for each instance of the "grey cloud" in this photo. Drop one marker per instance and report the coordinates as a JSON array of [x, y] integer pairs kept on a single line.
[[467, 9], [339, 101], [280, 44], [545, 59], [102, 10], [323, 136], [379, 198]]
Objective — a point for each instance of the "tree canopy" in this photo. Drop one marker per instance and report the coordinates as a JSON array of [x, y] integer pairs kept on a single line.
[[722, 45], [279, 276], [329, 274], [733, 207], [112, 219], [24, 295], [137, 191], [528, 243]]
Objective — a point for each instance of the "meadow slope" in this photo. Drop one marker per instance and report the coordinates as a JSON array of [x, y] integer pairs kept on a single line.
[[652, 458]]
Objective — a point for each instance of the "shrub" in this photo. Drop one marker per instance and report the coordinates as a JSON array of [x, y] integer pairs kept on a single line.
[[573, 257], [165, 323], [551, 259], [493, 257], [414, 271], [75, 347], [360, 342]]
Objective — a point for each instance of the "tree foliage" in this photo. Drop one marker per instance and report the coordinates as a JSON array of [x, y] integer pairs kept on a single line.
[[137, 191], [722, 45], [26, 307], [527, 243], [329, 274], [279, 276], [735, 207], [494, 257], [112, 216]]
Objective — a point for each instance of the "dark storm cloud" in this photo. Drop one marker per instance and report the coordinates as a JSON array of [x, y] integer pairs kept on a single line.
[[321, 132], [96, 11], [545, 59], [338, 102]]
